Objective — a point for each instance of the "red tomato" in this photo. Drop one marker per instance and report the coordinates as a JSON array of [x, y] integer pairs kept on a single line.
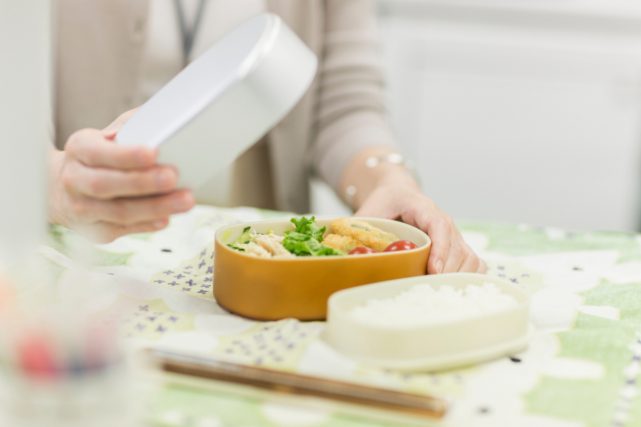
[[360, 250], [400, 245]]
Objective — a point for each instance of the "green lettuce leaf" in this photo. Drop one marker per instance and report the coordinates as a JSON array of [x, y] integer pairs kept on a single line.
[[305, 239], [246, 237]]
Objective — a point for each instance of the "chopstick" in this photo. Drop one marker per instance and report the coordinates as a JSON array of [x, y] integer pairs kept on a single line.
[[296, 384]]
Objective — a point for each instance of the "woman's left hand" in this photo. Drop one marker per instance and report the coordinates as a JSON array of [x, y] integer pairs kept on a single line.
[[405, 201]]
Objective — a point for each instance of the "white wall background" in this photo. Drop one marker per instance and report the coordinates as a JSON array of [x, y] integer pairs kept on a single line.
[[519, 111]]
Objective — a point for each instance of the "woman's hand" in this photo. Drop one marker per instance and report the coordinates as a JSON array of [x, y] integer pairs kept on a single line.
[[449, 252], [107, 190], [389, 191]]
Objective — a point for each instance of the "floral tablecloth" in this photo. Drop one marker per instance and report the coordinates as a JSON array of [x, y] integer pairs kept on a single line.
[[582, 367]]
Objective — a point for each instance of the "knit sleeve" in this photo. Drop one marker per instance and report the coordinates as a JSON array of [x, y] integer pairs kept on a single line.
[[350, 114]]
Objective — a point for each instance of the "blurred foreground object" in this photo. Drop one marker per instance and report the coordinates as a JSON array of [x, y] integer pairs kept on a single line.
[[60, 364], [25, 121], [60, 368]]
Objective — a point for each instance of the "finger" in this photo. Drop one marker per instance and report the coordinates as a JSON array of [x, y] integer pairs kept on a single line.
[[438, 254], [115, 126], [482, 267], [90, 147], [105, 232], [105, 184], [129, 211], [471, 263], [455, 257], [439, 232]]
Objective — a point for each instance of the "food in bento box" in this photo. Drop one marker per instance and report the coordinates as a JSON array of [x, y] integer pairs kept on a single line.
[[360, 231], [347, 236], [341, 243]]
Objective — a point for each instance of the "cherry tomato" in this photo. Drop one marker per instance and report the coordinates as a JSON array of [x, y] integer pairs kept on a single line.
[[360, 250], [400, 245]]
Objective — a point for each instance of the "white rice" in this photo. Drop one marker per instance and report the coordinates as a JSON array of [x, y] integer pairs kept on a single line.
[[428, 304]]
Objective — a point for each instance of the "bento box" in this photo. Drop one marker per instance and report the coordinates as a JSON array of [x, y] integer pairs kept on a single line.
[[271, 288], [429, 323]]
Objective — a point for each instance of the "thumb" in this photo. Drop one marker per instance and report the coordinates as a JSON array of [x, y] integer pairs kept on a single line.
[[115, 126]]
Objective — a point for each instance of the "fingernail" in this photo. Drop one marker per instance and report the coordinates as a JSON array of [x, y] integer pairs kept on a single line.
[[109, 134], [438, 266]]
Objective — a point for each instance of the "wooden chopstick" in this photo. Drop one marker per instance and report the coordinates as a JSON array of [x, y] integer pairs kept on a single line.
[[296, 384]]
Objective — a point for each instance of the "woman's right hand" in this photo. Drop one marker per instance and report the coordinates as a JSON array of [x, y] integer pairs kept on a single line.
[[107, 190]]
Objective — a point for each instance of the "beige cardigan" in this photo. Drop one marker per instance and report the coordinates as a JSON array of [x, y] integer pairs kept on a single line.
[[99, 50]]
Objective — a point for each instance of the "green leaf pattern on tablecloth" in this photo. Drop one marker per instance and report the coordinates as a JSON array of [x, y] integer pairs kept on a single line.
[[581, 369], [59, 239], [445, 384], [523, 240], [613, 343]]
